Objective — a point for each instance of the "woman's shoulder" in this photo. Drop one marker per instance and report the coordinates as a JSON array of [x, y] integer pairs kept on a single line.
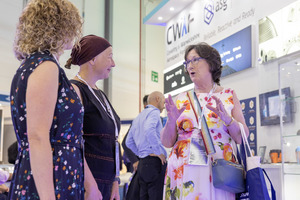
[[41, 56], [223, 90], [35, 59], [79, 84]]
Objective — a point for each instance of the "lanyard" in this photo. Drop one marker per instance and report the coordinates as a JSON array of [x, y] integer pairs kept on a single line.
[[205, 134], [109, 110]]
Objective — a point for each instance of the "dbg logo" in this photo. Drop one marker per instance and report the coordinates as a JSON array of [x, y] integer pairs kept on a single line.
[[209, 9]]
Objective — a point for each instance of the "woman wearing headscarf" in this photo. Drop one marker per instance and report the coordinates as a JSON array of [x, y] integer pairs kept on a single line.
[[101, 123]]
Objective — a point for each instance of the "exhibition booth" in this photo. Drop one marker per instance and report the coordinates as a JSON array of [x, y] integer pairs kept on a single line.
[[259, 46], [259, 43]]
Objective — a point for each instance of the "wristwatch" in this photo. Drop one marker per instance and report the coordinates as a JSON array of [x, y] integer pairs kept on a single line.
[[118, 179]]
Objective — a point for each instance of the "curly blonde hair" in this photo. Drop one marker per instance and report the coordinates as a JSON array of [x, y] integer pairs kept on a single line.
[[47, 25]]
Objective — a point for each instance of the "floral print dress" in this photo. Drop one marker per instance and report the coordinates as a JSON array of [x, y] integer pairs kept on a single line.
[[194, 182], [65, 136]]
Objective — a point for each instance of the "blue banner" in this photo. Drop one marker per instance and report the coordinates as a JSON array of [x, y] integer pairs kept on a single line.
[[4, 97], [249, 112]]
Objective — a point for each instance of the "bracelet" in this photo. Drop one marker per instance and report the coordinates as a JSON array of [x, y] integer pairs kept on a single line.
[[232, 120], [118, 179]]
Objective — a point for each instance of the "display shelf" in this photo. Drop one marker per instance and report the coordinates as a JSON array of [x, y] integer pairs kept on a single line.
[[290, 136], [291, 98], [288, 173], [291, 169]]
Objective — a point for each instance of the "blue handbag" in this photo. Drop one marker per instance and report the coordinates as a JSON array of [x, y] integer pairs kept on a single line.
[[228, 176]]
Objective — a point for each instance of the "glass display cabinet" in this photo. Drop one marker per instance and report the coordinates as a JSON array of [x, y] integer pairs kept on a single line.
[[289, 112]]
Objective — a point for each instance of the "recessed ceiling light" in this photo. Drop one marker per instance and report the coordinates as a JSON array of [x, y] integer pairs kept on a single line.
[[160, 18], [172, 8], [297, 63], [282, 69]]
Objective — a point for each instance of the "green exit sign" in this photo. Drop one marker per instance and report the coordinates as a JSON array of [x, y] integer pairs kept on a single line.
[[154, 76]]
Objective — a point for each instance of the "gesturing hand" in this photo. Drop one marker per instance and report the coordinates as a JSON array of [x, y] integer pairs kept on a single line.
[[173, 112], [219, 110]]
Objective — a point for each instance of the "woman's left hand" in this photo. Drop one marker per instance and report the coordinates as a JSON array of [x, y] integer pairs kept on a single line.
[[220, 110], [115, 191]]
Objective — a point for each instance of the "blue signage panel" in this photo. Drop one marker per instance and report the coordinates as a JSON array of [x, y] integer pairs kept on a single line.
[[249, 112], [4, 97], [235, 51]]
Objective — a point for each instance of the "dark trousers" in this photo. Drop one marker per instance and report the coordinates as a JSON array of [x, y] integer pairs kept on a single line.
[[4, 196], [151, 178], [133, 188]]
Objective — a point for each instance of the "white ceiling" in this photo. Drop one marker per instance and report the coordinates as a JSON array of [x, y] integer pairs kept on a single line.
[[162, 11]]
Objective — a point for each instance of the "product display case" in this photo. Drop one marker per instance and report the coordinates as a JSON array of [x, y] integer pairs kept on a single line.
[[289, 77]]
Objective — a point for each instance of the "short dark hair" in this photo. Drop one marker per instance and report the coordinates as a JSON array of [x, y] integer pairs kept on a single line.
[[12, 152], [212, 57], [145, 100]]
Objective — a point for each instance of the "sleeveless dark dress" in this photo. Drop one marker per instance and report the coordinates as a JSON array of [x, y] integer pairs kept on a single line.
[[65, 136], [99, 136]]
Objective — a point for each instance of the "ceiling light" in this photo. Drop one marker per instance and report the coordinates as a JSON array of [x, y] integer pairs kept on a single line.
[[172, 8], [282, 69], [160, 18], [297, 63]]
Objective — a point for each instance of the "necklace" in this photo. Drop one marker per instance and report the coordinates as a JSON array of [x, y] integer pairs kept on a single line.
[[213, 88], [106, 107]]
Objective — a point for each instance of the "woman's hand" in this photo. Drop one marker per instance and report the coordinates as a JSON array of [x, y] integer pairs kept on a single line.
[[115, 191], [135, 166], [162, 158], [92, 193], [173, 112], [168, 135], [220, 110], [3, 189], [231, 122]]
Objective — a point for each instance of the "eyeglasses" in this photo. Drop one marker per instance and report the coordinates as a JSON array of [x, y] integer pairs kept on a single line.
[[193, 61]]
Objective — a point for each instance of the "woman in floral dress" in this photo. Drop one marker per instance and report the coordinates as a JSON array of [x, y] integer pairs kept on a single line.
[[222, 112], [46, 112]]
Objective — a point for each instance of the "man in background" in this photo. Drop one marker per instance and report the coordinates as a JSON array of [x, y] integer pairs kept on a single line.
[[144, 140], [134, 187]]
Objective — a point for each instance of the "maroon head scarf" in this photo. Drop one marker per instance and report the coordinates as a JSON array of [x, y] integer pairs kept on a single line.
[[90, 47]]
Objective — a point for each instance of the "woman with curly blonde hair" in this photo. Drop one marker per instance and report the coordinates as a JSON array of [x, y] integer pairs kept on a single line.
[[46, 112]]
